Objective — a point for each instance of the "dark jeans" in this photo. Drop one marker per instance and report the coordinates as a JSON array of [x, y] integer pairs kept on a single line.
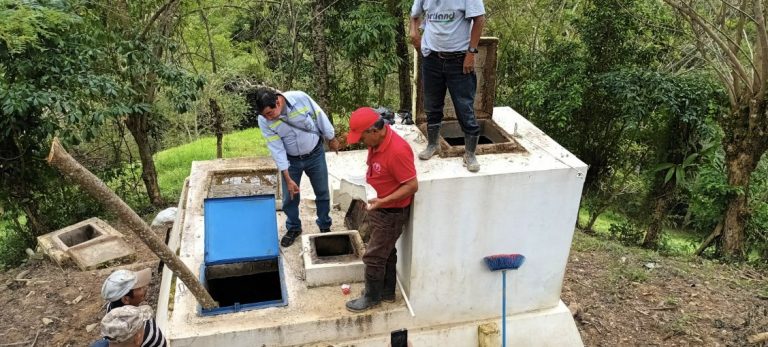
[[315, 167], [440, 75], [385, 225]]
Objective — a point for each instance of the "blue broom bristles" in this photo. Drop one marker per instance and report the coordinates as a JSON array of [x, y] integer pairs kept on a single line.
[[504, 261]]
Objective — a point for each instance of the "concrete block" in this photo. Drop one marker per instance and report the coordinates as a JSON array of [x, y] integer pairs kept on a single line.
[[89, 244], [333, 258]]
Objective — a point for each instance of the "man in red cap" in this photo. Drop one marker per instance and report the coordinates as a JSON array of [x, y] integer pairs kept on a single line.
[[392, 173]]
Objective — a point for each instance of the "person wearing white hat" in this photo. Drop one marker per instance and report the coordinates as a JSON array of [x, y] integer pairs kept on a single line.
[[124, 326], [125, 287]]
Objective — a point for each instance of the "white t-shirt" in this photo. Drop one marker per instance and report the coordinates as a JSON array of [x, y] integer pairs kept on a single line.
[[446, 23]]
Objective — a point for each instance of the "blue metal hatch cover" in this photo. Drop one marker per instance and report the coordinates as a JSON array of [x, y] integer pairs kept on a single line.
[[240, 229]]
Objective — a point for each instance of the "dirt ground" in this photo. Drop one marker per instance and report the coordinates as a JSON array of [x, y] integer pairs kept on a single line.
[[632, 297], [621, 297]]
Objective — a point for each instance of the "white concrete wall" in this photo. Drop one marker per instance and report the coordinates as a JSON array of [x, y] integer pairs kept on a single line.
[[457, 221], [522, 203]]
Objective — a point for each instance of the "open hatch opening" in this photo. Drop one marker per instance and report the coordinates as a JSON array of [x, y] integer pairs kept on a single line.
[[79, 235]]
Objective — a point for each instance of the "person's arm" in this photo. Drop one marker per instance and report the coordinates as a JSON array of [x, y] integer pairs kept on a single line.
[[474, 40], [414, 32], [416, 11], [277, 149], [405, 190], [324, 125]]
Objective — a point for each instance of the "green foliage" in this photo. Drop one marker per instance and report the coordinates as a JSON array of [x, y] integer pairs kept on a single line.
[[678, 244], [369, 31], [51, 84], [174, 164], [13, 239], [198, 120], [627, 233]]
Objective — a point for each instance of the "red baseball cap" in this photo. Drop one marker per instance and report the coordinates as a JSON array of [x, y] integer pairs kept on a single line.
[[360, 121]]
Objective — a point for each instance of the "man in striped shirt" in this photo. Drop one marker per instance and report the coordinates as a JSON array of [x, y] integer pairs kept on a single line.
[[294, 127], [125, 287]]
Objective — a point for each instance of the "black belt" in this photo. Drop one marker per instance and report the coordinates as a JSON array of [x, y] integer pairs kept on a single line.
[[450, 55], [396, 209], [317, 148]]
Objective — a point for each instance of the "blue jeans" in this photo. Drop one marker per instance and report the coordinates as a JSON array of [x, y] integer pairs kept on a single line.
[[316, 169], [439, 75]]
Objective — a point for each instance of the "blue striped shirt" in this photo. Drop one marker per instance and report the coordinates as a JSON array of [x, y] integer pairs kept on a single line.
[[283, 140]]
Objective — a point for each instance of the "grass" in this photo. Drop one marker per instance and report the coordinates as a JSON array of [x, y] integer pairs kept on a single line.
[[603, 222], [173, 165], [675, 241]]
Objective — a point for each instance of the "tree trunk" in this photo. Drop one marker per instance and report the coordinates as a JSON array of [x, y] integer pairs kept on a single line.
[[660, 205], [138, 125], [739, 168], [401, 50], [361, 87], [293, 12], [715, 234], [320, 58], [744, 142], [60, 159], [382, 90], [218, 126]]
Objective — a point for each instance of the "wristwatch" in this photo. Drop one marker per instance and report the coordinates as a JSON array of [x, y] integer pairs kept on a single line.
[[472, 50]]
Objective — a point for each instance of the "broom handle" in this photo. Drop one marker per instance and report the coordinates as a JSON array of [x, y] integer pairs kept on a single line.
[[504, 308]]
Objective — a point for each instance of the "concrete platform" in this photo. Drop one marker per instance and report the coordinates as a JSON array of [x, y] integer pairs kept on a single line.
[[523, 202], [89, 244]]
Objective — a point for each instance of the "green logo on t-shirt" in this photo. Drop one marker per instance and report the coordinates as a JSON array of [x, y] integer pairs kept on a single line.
[[445, 17]]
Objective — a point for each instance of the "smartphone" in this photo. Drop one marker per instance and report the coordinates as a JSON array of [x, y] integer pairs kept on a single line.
[[399, 338]]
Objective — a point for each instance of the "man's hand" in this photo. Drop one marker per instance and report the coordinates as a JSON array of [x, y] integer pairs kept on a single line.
[[334, 145], [293, 188], [416, 40], [469, 63], [374, 204]]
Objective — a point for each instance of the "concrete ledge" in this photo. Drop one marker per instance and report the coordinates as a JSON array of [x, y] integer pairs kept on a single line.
[[544, 328]]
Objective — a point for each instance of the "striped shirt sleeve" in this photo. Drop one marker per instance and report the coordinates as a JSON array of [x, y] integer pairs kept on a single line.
[[153, 337], [275, 144]]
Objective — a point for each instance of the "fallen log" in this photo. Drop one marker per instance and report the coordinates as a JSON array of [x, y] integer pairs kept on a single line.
[[756, 338], [60, 159]]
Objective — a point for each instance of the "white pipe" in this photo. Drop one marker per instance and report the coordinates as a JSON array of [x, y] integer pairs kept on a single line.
[[405, 297]]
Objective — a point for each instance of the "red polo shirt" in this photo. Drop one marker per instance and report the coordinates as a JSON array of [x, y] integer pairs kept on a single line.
[[389, 166]]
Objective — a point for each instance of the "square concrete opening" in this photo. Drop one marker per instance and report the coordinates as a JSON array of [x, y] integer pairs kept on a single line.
[[493, 139], [79, 235], [333, 246], [333, 258], [245, 285], [90, 244], [235, 183], [489, 133], [327, 248]]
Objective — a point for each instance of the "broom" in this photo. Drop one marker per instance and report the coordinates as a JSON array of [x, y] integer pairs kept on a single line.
[[504, 262]]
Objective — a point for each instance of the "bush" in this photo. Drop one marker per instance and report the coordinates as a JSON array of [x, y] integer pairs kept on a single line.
[[627, 233], [12, 240]]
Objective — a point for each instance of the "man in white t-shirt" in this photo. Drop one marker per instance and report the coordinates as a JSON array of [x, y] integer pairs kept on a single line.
[[452, 30]]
